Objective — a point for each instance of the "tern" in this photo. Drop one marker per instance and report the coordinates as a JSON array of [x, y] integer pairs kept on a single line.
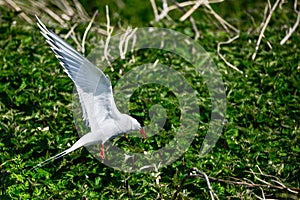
[[95, 94]]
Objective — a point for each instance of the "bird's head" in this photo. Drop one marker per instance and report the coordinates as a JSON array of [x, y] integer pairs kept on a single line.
[[135, 125]]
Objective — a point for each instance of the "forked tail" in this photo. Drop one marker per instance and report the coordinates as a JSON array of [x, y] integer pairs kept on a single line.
[[74, 147], [86, 139], [50, 159]]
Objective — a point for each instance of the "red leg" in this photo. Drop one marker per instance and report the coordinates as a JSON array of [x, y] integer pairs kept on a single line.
[[102, 156]]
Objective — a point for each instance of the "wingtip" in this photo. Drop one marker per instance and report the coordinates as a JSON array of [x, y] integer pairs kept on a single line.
[[41, 25], [38, 20]]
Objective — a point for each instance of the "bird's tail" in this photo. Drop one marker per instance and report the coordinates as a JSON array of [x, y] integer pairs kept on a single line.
[[50, 159], [74, 147]]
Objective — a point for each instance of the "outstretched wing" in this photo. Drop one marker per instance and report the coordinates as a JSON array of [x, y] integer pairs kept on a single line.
[[93, 86]]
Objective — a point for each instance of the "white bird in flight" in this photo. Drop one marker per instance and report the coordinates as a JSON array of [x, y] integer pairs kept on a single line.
[[95, 95]]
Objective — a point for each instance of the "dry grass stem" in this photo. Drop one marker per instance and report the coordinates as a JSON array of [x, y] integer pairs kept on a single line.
[[109, 31], [224, 23], [74, 37], [264, 18], [226, 26], [18, 9], [61, 11], [252, 185], [190, 3], [293, 29], [187, 14], [86, 32], [166, 9], [56, 17], [195, 28], [222, 57], [193, 9], [68, 8], [155, 11], [194, 172], [70, 31], [81, 11], [264, 28], [123, 45], [269, 4]]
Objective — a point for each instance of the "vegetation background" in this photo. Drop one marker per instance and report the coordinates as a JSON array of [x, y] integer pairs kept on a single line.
[[257, 156]]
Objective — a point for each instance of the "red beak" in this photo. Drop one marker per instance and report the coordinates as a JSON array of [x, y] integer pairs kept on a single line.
[[143, 133]]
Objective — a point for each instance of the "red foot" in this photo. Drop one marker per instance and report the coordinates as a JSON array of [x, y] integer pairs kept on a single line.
[[102, 156]]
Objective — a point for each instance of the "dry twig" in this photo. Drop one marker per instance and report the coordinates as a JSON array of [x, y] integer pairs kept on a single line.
[[74, 38], [109, 31], [226, 26], [196, 31], [124, 40], [18, 9], [67, 7], [253, 185], [223, 58], [194, 172], [155, 11], [51, 13], [70, 31], [224, 23], [264, 28], [81, 11], [61, 11], [192, 10], [265, 184], [86, 32], [190, 3], [187, 14], [293, 29]]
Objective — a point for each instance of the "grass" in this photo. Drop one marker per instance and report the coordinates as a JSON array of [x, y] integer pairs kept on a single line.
[[261, 133]]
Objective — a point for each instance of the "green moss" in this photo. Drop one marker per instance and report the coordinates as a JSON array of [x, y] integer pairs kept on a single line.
[[262, 114]]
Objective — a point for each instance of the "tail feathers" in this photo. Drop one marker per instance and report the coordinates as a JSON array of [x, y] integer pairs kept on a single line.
[[82, 141], [53, 158]]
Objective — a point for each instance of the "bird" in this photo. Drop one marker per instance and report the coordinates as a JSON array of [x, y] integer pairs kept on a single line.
[[95, 94]]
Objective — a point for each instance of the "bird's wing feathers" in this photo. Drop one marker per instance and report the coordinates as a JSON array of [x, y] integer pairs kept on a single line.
[[93, 86]]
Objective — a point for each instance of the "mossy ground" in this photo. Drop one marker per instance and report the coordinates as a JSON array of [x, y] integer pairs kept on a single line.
[[263, 117]]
